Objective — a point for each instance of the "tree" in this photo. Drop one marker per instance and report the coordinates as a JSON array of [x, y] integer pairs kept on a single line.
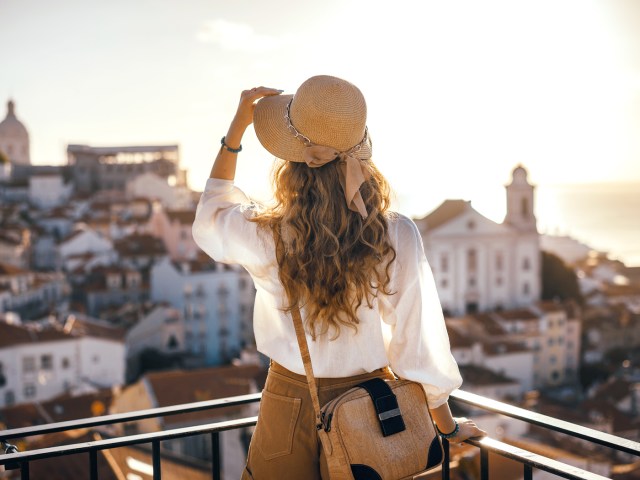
[[559, 280]]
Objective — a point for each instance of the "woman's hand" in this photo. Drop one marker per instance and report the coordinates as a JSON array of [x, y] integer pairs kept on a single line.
[[467, 429], [248, 98]]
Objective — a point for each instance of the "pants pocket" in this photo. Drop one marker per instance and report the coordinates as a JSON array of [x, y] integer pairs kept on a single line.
[[277, 420]]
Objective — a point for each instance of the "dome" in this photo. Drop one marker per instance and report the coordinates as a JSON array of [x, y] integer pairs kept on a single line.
[[519, 174], [14, 137], [11, 126]]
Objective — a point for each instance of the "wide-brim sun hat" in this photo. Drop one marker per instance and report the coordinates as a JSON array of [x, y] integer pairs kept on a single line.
[[325, 110]]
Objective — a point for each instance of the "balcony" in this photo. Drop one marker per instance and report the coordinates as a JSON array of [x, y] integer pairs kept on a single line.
[[488, 447]]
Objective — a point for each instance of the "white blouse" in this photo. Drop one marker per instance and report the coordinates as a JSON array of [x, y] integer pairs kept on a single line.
[[405, 330]]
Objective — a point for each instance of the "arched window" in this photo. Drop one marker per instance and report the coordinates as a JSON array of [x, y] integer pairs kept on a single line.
[[524, 207]]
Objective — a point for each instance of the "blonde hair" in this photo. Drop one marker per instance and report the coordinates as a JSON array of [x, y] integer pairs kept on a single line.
[[330, 259]]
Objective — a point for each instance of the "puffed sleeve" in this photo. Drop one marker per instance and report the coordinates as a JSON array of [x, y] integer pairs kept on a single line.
[[222, 228], [419, 347]]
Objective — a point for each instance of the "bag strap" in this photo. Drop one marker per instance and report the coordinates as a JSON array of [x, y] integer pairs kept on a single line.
[[306, 361]]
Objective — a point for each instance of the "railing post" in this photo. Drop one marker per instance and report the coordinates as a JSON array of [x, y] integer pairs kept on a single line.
[[445, 461], [484, 463], [528, 472], [216, 467], [24, 471], [93, 464], [157, 473]]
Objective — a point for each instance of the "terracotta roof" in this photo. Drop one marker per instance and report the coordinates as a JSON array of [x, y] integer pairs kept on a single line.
[[477, 375], [447, 211], [140, 244], [7, 269], [184, 217], [185, 386], [60, 409], [549, 307], [457, 339], [488, 323], [11, 335], [81, 327], [517, 314]]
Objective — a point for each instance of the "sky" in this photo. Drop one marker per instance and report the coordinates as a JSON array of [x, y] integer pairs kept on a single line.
[[458, 92]]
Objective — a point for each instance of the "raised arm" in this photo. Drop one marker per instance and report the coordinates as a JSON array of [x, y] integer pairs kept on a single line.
[[224, 166]]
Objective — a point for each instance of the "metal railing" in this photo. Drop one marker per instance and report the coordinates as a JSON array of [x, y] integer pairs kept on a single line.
[[529, 460]]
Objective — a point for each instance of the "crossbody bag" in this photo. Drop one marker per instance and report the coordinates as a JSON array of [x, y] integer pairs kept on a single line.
[[377, 430]]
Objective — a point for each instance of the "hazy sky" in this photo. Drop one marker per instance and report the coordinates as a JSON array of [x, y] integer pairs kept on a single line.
[[459, 93]]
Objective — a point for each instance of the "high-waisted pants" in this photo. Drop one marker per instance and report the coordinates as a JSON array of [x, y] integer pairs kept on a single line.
[[284, 445]]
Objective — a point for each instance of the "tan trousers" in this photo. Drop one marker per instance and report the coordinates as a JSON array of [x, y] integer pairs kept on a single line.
[[284, 445]]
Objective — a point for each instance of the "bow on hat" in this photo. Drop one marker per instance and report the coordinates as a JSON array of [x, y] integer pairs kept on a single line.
[[351, 171]]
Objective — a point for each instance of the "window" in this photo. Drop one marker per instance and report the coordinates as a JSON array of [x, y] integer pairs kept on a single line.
[[472, 260], [444, 283], [525, 288], [28, 364], [29, 390], [46, 362], [499, 261], [65, 363], [524, 207], [3, 379], [9, 398], [471, 224], [526, 264], [444, 262], [499, 281]]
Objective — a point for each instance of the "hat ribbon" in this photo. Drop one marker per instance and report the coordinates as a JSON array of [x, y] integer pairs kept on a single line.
[[352, 172]]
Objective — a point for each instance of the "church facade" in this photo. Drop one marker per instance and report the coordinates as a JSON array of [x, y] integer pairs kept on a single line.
[[480, 265]]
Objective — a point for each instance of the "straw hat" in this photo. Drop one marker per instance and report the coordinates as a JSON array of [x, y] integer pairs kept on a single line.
[[325, 111]]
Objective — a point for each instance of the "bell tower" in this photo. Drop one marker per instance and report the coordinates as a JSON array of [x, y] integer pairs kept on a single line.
[[520, 202]]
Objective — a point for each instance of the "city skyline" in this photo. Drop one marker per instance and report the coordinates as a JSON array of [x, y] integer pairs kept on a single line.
[[458, 93]]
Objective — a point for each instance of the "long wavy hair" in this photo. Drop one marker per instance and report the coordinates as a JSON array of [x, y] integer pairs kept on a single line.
[[330, 259]]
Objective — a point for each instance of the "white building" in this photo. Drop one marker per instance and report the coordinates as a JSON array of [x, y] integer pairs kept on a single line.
[[38, 363], [162, 329], [32, 294], [216, 301], [154, 187], [83, 242], [478, 264], [14, 138], [49, 191]]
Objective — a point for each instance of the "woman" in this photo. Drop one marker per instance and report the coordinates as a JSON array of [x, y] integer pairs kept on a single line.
[[330, 246]]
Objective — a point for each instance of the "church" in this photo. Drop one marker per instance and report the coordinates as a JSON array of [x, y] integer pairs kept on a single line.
[[480, 265]]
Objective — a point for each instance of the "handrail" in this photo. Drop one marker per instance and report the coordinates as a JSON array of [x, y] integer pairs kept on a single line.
[[129, 416], [585, 433], [535, 460], [488, 444], [126, 440]]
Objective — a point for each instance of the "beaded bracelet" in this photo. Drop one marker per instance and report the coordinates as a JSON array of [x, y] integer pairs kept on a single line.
[[451, 434], [232, 150]]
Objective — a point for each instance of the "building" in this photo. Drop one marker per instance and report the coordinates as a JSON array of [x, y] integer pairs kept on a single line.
[[110, 168], [174, 227], [154, 187], [41, 361], [161, 330], [14, 138], [217, 305], [47, 191], [480, 265], [31, 294], [163, 389]]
